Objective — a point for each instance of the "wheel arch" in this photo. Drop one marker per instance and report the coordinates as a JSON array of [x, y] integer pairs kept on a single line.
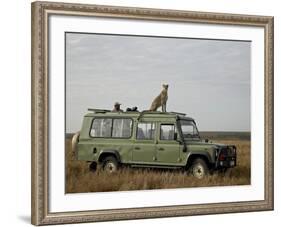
[[106, 153], [193, 156]]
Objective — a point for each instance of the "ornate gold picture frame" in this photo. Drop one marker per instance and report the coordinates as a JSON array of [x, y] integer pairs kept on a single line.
[[41, 67]]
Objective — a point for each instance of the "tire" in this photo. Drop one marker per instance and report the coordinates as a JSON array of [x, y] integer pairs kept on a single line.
[[110, 164], [199, 168], [74, 141]]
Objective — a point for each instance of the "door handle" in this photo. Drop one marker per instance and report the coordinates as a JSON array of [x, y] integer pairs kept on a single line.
[[137, 148], [161, 149]]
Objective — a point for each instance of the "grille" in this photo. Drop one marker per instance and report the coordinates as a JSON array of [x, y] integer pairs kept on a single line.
[[229, 151]]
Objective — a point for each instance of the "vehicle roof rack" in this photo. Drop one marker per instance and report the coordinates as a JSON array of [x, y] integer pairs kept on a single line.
[[146, 112], [158, 112], [178, 113], [140, 113], [98, 110]]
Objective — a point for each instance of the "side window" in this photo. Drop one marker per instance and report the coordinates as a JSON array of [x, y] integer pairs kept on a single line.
[[122, 128], [167, 132], [108, 127], [146, 131], [101, 127]]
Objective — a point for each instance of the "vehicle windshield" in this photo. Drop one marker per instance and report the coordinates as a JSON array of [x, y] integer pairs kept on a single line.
[[189, 129]]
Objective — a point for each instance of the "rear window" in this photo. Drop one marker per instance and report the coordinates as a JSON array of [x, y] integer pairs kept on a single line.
[[111, 128]]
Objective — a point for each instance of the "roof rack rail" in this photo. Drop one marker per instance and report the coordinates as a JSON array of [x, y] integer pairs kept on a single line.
[[178, 113], [147, 111], [158, 112], [98, 110]]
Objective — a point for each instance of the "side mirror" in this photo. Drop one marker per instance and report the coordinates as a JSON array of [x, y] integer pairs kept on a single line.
[[175, 136], [184, 149]]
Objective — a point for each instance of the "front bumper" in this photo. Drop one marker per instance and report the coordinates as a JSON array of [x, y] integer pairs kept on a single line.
[[227, 163]]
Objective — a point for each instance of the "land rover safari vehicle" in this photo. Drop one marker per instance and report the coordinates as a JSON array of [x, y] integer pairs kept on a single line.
[[148, 139]]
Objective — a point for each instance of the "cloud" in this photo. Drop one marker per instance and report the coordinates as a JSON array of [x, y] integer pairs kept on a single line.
[[204, 76]]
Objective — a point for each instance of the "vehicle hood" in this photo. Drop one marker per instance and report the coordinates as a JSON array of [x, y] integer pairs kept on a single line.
[[204, 143]]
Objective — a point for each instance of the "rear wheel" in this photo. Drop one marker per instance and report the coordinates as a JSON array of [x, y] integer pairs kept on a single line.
[[110, 164], [199, 168]]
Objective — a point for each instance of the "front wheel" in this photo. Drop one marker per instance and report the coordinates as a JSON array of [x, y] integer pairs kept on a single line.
[[110, 164], [199, 168]]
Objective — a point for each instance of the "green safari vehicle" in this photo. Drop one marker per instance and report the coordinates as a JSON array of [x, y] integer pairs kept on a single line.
[[148, 139]]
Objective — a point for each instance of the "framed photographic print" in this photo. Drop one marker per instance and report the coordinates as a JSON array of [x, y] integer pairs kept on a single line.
[[149, 113]]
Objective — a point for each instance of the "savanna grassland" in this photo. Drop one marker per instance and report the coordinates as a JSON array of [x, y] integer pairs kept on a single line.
[[80, 179]]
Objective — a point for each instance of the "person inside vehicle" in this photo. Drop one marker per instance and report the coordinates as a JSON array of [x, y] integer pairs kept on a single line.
[[117, 107]]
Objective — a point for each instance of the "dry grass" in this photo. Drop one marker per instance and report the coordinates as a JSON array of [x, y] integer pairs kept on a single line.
[[80, 179]]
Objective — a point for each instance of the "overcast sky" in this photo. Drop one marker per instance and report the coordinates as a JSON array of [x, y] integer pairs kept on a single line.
[[209, 80]]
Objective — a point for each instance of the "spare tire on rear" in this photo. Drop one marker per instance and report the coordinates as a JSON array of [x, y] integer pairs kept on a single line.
[[74, 142]]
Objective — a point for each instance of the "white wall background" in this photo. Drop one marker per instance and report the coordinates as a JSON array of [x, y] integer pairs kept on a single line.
[[15, 111]]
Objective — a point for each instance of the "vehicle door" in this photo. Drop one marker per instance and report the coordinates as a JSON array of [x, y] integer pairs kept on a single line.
[[167, 146], [144, 147]]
